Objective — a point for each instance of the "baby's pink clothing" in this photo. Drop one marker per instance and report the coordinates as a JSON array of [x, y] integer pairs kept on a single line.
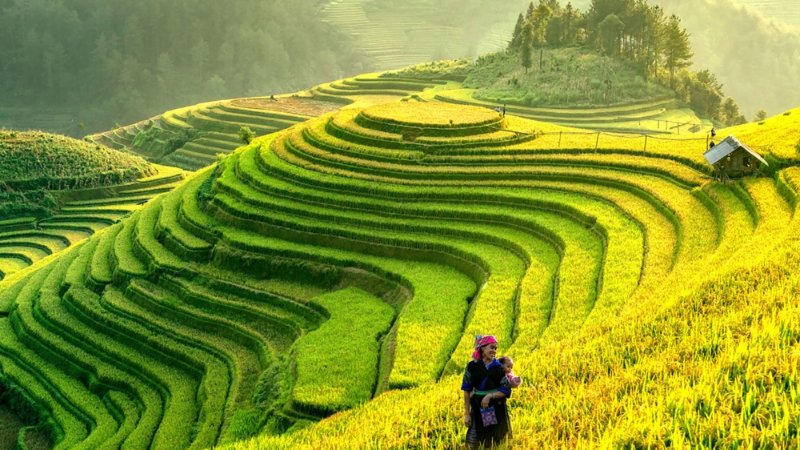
[[514, 380]]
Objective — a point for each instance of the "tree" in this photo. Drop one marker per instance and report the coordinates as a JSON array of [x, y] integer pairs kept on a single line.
[[704, 92], [527, 46], [710, 79], [246, 135], [760, 115], [649, 24], [569, 17], [730, 111], [516, 39], [541, 16], [610, 32], [677, 50], [600, 9]]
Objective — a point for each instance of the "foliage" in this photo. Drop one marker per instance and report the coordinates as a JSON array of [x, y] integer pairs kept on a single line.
[[625, 30], [569, 78], [246, 135], [610, 32], [105, 66], [34, 160], [677, 51], [730, 111], [528, 38]]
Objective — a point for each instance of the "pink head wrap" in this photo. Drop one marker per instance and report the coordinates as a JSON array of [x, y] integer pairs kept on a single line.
[[482, 341]]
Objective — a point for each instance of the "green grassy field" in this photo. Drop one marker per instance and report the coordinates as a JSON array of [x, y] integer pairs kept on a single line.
[[321, 287], [569, 78]]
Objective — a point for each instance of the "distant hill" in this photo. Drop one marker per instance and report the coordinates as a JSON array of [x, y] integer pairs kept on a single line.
[[571, 76], [36, 160], [56, 191]]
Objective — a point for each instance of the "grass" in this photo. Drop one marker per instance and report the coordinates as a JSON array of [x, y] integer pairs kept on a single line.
[[35, 160], [569, 77], [337, 364]]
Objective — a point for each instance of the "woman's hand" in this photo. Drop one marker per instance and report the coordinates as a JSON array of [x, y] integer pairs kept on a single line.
[[485, 401], [467, 419]]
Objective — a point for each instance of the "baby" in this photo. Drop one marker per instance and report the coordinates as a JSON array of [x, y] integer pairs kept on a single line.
[[508, 365]]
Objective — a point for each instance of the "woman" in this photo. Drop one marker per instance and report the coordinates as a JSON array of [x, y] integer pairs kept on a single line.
[[485, 385]]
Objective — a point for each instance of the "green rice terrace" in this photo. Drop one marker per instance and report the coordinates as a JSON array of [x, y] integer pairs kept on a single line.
[[354, 256], [58, 191], [191, 138]]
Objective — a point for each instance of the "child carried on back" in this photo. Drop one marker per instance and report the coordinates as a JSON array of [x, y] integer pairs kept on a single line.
[[508, 366]]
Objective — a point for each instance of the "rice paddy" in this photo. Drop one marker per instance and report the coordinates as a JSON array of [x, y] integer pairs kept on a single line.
[[321, 286]]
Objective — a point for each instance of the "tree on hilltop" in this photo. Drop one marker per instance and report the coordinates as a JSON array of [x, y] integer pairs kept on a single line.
[[730, 111], [527, 46], [516, 39], [677, 50], [599, 10], [568, 21], [652, 39], [760, 115], [610, 34], [541, 16]]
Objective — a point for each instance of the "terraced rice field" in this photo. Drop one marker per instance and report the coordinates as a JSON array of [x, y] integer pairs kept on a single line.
[[236, 303], [661, 116], [370, 89], [24, 242], [217, 126]]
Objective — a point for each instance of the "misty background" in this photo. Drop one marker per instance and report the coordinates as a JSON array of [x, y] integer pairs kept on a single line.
[[81, 66]]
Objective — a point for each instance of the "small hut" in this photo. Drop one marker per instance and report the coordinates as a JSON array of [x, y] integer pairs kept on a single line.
[[730, 159]]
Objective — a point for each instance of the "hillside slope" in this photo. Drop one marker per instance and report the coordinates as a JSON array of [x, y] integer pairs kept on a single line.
[[217, 312], [33, 160], [192, 137], [57, 191]]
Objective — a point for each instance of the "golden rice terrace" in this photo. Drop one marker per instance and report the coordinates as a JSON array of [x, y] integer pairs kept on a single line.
[[345, 264]]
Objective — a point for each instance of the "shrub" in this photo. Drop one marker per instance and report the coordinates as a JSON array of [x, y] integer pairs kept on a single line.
[[246, 135]]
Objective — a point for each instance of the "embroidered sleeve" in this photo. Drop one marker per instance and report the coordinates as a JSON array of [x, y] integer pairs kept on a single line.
[[505, 386], [466, 382]]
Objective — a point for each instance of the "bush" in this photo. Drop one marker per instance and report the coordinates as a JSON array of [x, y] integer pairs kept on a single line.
[[246, 135]]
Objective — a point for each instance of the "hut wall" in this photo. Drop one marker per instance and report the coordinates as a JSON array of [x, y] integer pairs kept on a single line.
[[739, 163]]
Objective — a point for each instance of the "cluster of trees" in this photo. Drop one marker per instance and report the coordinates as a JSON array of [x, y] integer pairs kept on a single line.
[[119, 61], [655, 44], [757, 60]]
